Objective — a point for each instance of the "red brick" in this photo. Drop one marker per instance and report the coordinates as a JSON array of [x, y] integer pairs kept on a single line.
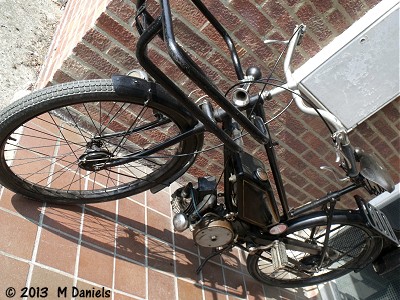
[[123, 58], [314, 23], [213, 35], [293, 160], [97, 39], [215, 154], [153, 7], [372, 3], [223, 14], [365, 128], [252, 15], [295, 144], [62, 77], [197, 172], [117, 31], [291, 2], [122, 10], [253, 43], [214, 169], [202, 161], [315, 142], [294, 176], [338, 21], [91, 75], [392, 110], [314, 191], [295, 125], [314, 160], [276, 11], [191, 40], [394, 163], [295, 193], [223, 65], [381, 147], [310, 46], [317, 177], [384, 127], [355, 8], [250, 144], [322, 5], [316, 124], [189, 11], [94, 59], [396, 142], [210, 73]]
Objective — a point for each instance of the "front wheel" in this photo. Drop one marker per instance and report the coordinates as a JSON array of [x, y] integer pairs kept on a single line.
[[56, 144], [351, 245]]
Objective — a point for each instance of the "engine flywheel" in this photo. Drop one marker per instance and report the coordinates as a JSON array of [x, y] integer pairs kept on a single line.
[[214, 233]]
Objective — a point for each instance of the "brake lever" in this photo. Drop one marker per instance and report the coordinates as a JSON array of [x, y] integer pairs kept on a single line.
[[346, 151], [335, 174]]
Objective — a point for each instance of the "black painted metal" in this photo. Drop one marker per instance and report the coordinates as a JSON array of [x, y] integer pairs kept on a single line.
[[160, 146], [221, 30], [186, 64], [169, 85], [321, 201], [193, 71], [273, 161]]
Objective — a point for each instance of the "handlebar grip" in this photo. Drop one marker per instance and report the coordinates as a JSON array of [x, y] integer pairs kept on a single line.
[[348, 152]]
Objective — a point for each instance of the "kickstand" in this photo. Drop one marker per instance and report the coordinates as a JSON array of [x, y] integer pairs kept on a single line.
[[211, 255]]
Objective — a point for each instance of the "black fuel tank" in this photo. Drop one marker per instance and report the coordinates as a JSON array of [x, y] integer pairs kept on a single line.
[[254, 196]]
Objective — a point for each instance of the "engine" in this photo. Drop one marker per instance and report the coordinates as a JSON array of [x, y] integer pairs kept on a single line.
[[197, 208]]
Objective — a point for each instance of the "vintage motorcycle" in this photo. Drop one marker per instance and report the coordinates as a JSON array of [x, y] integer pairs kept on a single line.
[[101, 140]]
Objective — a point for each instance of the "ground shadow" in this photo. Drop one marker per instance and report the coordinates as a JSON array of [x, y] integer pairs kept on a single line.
[[127, 242]]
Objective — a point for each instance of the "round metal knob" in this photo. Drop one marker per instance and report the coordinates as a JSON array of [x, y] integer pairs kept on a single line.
[[261, 174]]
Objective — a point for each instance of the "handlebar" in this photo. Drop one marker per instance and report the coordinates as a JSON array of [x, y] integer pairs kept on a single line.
[[292, 84], [342, 142]]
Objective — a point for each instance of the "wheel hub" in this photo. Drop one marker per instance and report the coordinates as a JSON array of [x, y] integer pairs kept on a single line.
[[94, 158], [311, 260]]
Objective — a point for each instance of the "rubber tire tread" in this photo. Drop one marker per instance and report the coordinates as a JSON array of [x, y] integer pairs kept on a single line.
[[70, 93]]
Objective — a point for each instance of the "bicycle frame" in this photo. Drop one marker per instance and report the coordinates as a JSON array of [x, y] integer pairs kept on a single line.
[[162, 26]]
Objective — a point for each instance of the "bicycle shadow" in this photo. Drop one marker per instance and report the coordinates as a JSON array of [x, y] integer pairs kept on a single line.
[[98, 228]]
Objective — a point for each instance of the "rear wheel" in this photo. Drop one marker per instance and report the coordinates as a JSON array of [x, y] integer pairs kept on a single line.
[[350, 246], [56, 143]]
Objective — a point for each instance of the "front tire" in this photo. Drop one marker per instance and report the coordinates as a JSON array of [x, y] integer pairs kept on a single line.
[[53, 141]]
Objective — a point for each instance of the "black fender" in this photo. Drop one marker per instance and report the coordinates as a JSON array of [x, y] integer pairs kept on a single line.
[[345, 216], [129, 86], [351, 217], [136, 87]]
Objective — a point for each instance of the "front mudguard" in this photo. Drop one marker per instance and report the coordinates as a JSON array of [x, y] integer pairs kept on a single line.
[[150, 91]]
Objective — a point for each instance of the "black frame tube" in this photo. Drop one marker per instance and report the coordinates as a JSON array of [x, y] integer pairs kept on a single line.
[[321, 201], [221, 30], [193, 71], [273, 161], [135, 156], [170, 86]]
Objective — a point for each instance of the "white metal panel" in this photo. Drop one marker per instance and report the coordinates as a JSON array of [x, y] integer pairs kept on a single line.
[[359, 73]]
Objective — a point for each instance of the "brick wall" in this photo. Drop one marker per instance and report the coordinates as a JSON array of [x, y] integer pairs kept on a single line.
[[76, 22], [96, 39]]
